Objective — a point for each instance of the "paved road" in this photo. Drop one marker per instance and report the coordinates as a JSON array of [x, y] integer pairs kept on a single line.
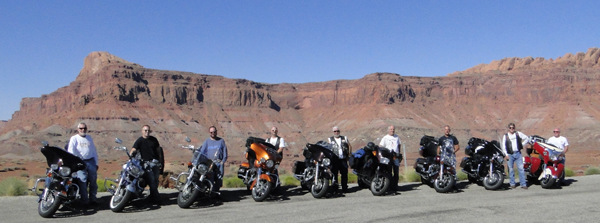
[[577, 202]]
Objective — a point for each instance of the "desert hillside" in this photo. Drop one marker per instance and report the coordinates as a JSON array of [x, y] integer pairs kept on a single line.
[[116, 97]]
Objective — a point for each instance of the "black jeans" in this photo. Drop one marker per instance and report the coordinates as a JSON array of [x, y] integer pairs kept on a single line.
[[341, 166], [151, 178]]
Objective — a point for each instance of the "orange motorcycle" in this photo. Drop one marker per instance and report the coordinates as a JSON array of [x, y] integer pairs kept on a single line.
[[259, 173]]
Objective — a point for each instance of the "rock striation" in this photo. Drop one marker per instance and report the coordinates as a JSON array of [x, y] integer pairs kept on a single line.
[[116, 97]]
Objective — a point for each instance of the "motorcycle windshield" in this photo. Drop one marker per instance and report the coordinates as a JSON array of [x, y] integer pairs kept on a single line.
[[317, 150], [52, 155], [385, 152], [263, 150], [200, 158]]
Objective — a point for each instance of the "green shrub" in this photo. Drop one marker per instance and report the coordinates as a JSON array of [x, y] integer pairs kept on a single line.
[[569, 172], [412, 176], [233, 182], [13, 186], [591, 171], [461, 176], [288, 180], [352, 178]]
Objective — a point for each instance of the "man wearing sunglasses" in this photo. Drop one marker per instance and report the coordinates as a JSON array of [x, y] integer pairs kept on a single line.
[[562, 143], [82, 146], [214, 148], [342, 149], [512, 145], [150, 151]]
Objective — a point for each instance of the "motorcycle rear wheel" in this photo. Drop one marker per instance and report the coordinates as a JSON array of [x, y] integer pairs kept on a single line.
[[320, 189], [260, 193], [547, 182], [185, 199], [493, 182], [380, 184], [48, 205], [444, 184], [120, 199]]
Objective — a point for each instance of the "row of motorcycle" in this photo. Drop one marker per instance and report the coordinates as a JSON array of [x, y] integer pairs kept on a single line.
[[484, 164], [372, 165]]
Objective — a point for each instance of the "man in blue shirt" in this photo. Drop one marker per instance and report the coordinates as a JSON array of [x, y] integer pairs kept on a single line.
[[215, 148]]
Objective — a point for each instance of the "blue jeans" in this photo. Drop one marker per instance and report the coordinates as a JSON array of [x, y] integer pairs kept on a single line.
[[91, 180], [517, 158]]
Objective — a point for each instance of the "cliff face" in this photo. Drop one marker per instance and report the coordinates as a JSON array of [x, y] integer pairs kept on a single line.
[[115, 98]]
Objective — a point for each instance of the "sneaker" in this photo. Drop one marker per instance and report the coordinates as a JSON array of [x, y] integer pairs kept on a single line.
[[524, 187], [513, 186]]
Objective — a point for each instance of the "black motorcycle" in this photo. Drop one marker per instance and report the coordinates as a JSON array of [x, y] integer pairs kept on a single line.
[[61, 181], [315, 172], [130, 186], [436, 171], [484, 163], [198, 180], [373, 167]]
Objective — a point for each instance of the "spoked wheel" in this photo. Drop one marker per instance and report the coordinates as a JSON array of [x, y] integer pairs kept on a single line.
[[261, 190], [494, 181], [48, 205], [187, 196], [380, 184], [444, 184], [120, 199], [320, 189]]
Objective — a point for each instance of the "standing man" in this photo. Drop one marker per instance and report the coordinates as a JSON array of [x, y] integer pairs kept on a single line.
[[148, 147], [512, 144], [82, 146], [277, 141], [342, 149], [392, 142], [562, 143], [215, 148], [448, 143]]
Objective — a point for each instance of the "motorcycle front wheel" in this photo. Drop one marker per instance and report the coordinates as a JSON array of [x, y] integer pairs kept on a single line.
[[380, 184], [547, 182], [320, 189], [120, 199], [187, 196], [48, 205], [261, 190], [444, 184], [494, 181]]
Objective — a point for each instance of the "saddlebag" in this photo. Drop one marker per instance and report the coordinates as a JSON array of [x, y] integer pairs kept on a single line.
[[429, 146], [243, 170], [298, 167], [355, 158]]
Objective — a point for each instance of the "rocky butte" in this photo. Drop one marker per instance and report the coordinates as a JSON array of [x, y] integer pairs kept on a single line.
[[116, 97]]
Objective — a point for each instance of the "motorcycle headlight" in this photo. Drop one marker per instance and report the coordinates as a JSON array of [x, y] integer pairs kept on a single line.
[[270, 163], [500, 159], [385, 160], [64, 171], [135, 171], [554, 156], [262, 160], [202, 169], [326, 162], [54, 166]]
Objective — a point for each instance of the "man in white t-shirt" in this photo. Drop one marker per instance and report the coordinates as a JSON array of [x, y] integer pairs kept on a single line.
[[277, 141], [392, 142], [562, 143], [82, 146]]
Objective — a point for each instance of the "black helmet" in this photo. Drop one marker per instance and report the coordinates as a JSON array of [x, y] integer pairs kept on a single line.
[[370, 146]]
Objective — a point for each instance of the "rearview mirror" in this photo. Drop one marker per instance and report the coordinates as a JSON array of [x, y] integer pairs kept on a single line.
[[45, 143], [118, 141], [187, 139]]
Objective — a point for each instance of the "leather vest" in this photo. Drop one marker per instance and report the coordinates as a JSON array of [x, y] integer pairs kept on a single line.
[[336, 148], [508, 144]]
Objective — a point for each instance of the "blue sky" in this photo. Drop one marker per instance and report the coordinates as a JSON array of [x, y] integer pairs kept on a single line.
[[43, 43]]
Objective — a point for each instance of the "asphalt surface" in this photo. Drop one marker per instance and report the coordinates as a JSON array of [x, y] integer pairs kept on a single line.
[[576, 202]]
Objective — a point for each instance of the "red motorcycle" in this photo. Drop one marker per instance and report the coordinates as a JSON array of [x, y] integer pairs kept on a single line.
[[547, 166]]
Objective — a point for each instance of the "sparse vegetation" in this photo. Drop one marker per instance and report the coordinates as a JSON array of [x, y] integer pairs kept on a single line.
[[288, 180], [233, 182], [352, 178], [569, 172], [412, 176], [592, 171], [461, 176], [13, 186], [24, 175]]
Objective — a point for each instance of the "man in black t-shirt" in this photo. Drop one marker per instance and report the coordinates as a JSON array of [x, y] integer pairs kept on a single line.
[[448, 143], [148, 147]]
